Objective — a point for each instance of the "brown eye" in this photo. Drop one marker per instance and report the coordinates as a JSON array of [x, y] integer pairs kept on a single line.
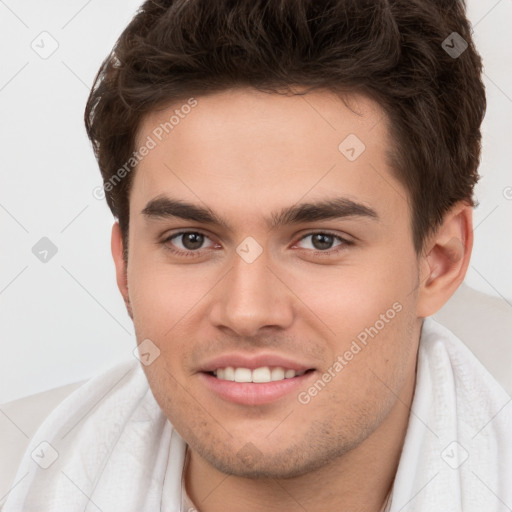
[[321, 241], [190, 241], [189, 244]]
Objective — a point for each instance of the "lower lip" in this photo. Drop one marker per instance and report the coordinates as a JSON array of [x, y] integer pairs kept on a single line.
[[251, 393]]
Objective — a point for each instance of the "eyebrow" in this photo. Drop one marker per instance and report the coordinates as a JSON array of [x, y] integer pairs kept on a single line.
[[164, 207]]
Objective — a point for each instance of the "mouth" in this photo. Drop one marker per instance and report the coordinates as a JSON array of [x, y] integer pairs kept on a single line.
[[261, 375], [258, 380]]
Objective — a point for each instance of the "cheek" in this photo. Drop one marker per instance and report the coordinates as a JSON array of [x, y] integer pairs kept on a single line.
[[367, 312], [350, 297], [162, 295], [368, 371]]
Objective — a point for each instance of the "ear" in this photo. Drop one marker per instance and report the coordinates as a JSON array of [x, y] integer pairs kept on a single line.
[[117, 248], [445, 259]]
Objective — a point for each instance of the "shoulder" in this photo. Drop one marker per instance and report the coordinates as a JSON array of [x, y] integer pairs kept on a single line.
[[459, 384], [19, 420]]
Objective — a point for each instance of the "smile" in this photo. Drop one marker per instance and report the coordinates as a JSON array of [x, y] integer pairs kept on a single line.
[[257, 375]]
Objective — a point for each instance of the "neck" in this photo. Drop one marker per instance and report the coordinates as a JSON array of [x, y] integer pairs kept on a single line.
[[360, 480]]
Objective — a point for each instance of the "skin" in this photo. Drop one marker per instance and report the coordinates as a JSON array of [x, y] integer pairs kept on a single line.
[[244, 154]]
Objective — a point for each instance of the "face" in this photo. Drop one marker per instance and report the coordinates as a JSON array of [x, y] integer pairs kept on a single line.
[[271, 264]]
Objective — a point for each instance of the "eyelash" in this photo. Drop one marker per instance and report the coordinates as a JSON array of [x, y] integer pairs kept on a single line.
[[199, 252]]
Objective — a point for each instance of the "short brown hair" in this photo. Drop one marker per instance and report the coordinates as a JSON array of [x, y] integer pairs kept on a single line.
[[397, 52]]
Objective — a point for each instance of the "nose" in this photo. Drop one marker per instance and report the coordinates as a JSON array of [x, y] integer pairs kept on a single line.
[[251, 297]]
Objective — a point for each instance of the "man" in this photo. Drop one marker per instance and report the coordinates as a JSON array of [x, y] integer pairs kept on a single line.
[[292, 183]]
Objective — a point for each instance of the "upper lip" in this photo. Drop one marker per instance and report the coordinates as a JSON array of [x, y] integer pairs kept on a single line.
[[253, 361]]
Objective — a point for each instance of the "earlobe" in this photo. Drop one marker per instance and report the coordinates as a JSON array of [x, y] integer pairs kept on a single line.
[[446, 260], [117, 247]]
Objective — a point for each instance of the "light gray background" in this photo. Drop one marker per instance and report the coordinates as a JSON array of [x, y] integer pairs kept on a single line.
[[64, 320]]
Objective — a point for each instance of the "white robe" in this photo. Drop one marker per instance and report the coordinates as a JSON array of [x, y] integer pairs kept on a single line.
[[108, 447]]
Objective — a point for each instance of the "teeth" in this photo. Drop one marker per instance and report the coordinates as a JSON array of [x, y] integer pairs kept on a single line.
[[243, 375], [288, 374], [277, 374], [259, 375]]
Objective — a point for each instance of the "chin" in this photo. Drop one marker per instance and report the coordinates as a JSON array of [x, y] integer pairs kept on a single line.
[[250, 462]]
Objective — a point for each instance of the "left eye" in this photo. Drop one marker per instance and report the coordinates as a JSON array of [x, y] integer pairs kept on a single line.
[[322, 241]]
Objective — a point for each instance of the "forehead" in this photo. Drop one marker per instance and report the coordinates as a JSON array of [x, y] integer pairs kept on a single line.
[[260, 150]]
